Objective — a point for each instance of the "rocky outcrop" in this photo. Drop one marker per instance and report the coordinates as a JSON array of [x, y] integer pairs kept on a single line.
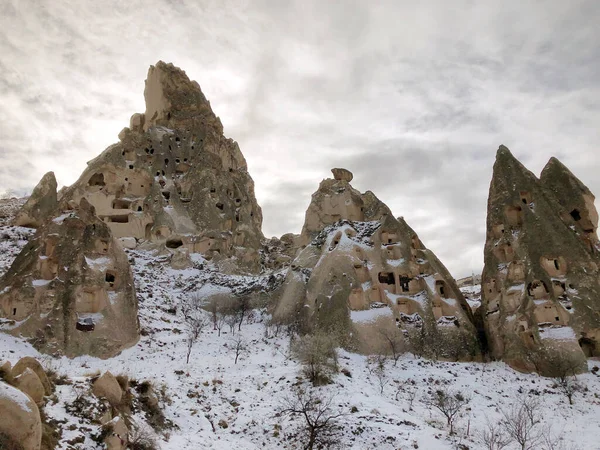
[[29, 383], [20, 421], [361, 263], [70, 290], [174, 180], [540, 286], [27, 362], [107, 386], [40, 205]]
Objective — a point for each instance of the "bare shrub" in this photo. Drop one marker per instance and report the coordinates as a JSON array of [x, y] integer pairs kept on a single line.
[[563, 372], [521, 423], [448, 403], [195, 320], [141, 437], [320, 418], [220, 307], [238, 346], [376, 367], [409, 389], [494, 437], [394, 340], [318, 353]]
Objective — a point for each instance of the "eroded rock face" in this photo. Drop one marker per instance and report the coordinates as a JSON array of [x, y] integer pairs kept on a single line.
[[29, 383], [174, 179], [540, 287], [70, 290], [20, 418], [40, 205], [575, 199], [365, 264]]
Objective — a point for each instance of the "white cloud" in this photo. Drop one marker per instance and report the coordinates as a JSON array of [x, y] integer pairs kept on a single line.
[[414, 98]]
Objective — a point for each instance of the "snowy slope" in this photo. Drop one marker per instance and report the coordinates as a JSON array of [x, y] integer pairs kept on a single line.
[[216, 404]]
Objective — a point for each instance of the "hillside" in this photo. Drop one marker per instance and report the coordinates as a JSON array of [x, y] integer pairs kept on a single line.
[[214, 403]]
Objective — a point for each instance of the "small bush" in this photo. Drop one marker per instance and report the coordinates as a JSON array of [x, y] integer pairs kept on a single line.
[[141, 438], [318, 354]]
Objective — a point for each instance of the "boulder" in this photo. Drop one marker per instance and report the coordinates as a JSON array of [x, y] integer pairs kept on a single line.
[[180, 259], [107, 386], [40, 205], [30, 383], [128, 242], [20, 418], [28, 362], [342, 174], [117, 438]]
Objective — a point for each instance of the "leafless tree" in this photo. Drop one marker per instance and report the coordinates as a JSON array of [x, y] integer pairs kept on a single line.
[[448, 403], [494, 437], [319, 416], [376, 367], [231, 320], [395, 341], [195, 320], [521, 423], [238, 346], [408, 388], [242, 308], [564, 371]]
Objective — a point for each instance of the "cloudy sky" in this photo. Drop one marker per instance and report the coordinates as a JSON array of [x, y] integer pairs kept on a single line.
[[413, 97]]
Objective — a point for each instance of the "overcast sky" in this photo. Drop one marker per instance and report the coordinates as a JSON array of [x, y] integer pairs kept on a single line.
[[413, 97]]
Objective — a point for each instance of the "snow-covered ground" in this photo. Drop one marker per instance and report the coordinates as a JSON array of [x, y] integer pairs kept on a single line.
[[217, 404]]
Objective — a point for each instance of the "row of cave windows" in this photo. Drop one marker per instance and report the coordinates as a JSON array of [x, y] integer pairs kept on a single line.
[[109, 277], [390, 279]]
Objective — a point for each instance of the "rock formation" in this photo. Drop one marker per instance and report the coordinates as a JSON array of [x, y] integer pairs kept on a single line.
[[361, 263], [575, 199], [70, 290], [40, 205], [20, 419], [540, 287], [174, 179]]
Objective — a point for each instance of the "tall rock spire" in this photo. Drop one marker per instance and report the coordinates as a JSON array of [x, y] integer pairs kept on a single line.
[[174, 179], [540, 284]]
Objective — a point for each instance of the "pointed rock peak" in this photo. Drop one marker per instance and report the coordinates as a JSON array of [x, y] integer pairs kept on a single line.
[[555, 170], [171, 97], [503, 151], [342, 174], [40, 204]]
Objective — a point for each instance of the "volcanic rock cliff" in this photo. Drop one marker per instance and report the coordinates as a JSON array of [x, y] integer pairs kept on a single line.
[[366, 275], [174, 179], [70, 290], [540, 286]]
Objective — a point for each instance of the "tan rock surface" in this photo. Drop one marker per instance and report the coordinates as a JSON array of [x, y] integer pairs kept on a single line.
[[107, 386], [540, 286], [29, 383], [71, 288], [361, 262], [175, 180], [20, 418], [40, 205], [28, 362]]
